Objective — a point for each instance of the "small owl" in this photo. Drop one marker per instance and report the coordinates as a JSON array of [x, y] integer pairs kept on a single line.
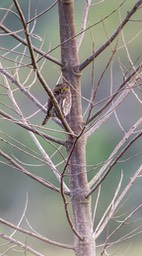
[[62, 94]]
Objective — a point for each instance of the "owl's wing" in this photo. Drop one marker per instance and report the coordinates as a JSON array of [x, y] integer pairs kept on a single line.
[[50, 107]]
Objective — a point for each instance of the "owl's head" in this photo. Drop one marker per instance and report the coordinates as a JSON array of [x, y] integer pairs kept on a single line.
[[62, 88]]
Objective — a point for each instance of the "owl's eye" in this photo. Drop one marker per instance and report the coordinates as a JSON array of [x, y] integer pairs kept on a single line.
[[65, 89]]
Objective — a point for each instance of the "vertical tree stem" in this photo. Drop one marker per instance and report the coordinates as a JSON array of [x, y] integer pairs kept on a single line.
[[82, 216]]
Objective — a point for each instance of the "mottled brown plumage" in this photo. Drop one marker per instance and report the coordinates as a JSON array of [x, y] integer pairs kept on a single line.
[[62, 94]]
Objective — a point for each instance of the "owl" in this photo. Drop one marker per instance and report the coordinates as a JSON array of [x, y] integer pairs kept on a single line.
[[62, 94]]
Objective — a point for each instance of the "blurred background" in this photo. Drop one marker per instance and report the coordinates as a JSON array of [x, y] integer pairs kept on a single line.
[[45, 211]]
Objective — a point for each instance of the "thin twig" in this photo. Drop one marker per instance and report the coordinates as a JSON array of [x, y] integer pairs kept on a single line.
[[114, 152], [37, 50], [63, 194], [122, 86], [84, 22], [39, 237], [23, 170], [115, 161], [118, 101], [18, 243], [124, 221], [62, 190], [88, 119], [76, 35], [109, 211], [30, 128], [113, 36], [22, 89], [43, 12], [39, 75]]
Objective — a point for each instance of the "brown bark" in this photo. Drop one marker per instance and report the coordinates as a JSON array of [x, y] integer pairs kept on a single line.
[[82, 216]]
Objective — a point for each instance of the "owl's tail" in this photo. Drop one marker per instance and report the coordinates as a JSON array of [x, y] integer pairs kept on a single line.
[[45, 119]]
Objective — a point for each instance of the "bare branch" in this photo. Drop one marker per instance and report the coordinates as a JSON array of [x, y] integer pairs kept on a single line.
[[124, 221], [40, 148], [18, 243], [96, 203], [23, 170], [29, 127], [28, 94], [115, 151], [94, 92], [132, 78], [84, 22], [101, 227], [21, 40], [115, 161], [108, 213], [63, 194], [39, 75], [40, 14], [117, 102], [49, 162], [29, 233], [25, 73], [22, 217], [22, 88], [113, 36], [78, 34]]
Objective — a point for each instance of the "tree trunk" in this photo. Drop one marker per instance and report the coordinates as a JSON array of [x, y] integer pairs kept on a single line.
[[82, 216]]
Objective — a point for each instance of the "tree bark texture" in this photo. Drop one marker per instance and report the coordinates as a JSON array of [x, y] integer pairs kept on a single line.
[[81, 207]]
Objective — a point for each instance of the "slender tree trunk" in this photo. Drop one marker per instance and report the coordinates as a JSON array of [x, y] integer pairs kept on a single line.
[[82, 216]]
